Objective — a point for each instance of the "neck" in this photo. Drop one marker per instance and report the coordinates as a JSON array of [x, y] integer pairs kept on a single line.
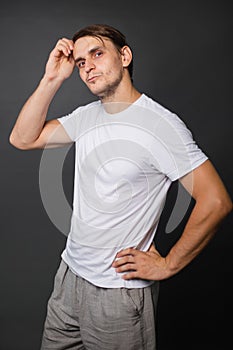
[[125, 92], [120, 99]]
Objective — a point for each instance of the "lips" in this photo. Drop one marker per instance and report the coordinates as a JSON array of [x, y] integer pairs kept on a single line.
[[92, 78]]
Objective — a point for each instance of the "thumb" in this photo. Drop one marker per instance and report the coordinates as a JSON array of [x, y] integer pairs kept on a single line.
[[153, 249]]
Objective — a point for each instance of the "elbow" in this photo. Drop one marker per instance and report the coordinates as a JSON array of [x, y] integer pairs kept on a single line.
[[229, 207], [15, 141], [223, 205]]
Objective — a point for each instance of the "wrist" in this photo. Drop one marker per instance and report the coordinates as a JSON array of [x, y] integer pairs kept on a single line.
[[50, 86], [172, 265], [52, 80]]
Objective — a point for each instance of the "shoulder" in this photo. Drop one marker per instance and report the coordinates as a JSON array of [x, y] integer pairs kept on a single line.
[[150, 104], [167, 116], [79, 112]]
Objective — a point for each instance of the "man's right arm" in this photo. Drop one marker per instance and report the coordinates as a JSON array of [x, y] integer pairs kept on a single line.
[[31, 129]]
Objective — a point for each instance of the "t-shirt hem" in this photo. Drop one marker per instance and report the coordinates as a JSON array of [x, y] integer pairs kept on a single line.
[[120, 284]]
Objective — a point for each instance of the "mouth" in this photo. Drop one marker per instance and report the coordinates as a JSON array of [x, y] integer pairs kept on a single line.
[[93, 78]]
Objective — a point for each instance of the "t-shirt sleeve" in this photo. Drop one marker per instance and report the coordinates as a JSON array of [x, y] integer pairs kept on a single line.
[[71, 122], [175, 152]]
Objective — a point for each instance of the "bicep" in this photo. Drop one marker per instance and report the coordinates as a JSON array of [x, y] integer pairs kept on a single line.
[[204, 182], [53, 135]]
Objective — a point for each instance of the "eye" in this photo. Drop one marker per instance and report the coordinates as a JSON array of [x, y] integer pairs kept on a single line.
[[81, 64], [98, 53]]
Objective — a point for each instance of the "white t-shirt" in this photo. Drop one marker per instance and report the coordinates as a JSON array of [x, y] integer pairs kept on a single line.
[[125, 163]]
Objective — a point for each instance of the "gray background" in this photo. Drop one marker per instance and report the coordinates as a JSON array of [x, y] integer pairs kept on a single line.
[[183, 59]]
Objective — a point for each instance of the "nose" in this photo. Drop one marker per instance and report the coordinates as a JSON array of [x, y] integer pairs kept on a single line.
[[89, 65]]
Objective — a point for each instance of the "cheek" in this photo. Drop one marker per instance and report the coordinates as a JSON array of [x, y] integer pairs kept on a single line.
[[111, 67], [114, 70]]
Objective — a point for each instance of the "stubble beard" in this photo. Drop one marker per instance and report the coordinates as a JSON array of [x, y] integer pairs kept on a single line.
[[109, 89]]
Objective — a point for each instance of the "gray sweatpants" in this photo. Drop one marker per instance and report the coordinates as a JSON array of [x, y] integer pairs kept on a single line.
[[83, 316]]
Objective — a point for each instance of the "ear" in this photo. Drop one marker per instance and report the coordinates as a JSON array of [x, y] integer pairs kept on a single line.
[[127, 55]]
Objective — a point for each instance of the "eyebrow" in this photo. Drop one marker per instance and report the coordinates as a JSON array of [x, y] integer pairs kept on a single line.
[[90, 52]]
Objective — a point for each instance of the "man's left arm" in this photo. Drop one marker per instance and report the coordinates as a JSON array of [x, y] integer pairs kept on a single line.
[[212, 205]]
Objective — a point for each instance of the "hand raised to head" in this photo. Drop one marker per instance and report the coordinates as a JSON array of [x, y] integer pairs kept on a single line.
[[61, 63]]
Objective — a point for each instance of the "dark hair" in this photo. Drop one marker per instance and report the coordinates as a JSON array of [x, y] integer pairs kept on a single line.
[[104, 30]]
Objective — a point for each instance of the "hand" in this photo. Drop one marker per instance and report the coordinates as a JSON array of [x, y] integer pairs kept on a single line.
[[61, 62], [148, 265]]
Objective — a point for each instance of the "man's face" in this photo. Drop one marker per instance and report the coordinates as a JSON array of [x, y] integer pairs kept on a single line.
[[99, 63]]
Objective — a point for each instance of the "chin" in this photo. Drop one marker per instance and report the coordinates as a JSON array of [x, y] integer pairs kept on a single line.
[[99, 92], [105, 90], [95, 90]]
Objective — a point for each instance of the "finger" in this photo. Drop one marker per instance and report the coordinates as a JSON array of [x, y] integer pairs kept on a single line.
[[128, 251], [131, 275], [67, 42], [64, 49], [65, 46], [122, 261], [152, 247], [126, 267]]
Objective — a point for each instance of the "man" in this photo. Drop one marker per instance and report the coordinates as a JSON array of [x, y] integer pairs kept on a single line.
[[129, 149]]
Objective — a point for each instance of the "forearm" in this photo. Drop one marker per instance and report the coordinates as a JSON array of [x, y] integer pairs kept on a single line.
[[150, 265], [200, 228], [212, 205], [32, 117]]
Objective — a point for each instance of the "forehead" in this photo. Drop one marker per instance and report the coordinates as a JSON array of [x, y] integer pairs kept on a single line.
[[84, 45]]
